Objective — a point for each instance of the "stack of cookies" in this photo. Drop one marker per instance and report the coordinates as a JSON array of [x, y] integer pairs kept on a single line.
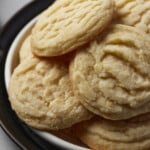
[[86, 64]]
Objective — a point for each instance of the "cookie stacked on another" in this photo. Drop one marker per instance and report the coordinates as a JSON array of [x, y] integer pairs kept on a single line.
[[134, 13], [68, 24], [86, 63], [102, 134], [111, 75], [25, 49]]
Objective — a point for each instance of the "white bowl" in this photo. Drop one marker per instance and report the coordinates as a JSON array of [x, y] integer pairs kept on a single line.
[[11, 63]]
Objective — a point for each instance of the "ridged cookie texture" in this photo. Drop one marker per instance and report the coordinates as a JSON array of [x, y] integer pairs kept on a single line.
[[102, 134], [68, 24], [111, 75], [134, 13], [25, 49], [40, 93]]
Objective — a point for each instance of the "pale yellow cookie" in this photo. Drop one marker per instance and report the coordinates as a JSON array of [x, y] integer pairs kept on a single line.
[[40, 92], [102, 134], [111, 75], [68, 24], [134, 13], [25, 49]]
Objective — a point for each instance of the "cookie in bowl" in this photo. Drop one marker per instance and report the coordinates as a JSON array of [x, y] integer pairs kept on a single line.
[[40, 92], [111, 75], [134, 13], [68, 24], [102, 134], [25, 49]]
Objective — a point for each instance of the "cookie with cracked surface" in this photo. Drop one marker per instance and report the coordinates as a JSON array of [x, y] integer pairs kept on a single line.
[[68, 24], [111, 75], [25, 49], [40, 92], [134, 13], [102, 134]]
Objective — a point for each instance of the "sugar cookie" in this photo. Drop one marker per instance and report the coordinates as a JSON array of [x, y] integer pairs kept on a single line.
[[68, 24], [102, 134], [111, 75], [134, 13], [40, 92], [25, 49]]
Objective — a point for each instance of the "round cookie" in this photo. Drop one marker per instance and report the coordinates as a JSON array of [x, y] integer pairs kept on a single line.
[[111, 75], [134, 13], [40, 92], [68, 24], [102, 134], [25, 49]]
